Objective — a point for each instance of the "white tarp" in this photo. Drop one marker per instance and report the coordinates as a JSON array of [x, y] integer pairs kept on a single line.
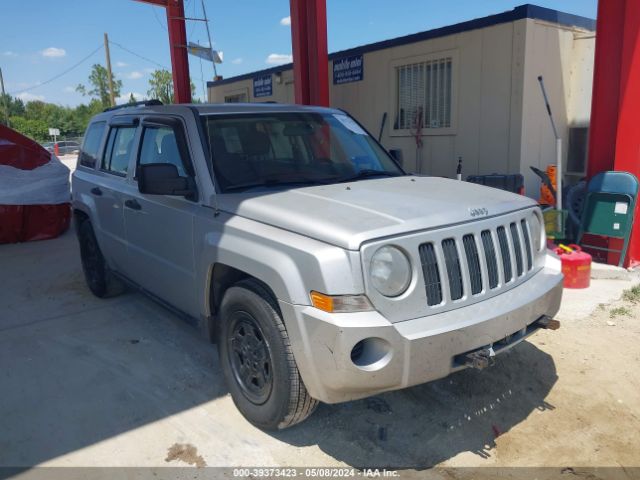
[[44, 185]]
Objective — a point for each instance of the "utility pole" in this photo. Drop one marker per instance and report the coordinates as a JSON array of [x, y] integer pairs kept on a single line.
[[112, 97], [4, 99]]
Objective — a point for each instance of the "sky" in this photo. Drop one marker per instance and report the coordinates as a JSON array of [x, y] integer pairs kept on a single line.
[[47, 47]]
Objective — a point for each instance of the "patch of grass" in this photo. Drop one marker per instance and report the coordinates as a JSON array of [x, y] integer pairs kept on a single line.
[[632, 295], [620, 312]]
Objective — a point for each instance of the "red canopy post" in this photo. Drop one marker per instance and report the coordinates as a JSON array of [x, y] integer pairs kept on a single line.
[[178, 47], [614, 143], [310, 57]]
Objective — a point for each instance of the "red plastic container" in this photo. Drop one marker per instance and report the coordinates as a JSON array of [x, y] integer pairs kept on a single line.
[[576, 267]]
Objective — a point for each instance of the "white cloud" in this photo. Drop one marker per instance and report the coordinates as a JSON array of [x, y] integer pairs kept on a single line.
[[121, 64], [237, 61], [149, 70], [286, 21], [53, 52], [279, 58], [134, 75], [69, 89], [124, 98], [9, 53], [29, 97]]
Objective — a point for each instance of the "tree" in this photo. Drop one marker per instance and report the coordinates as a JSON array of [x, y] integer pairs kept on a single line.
[[32, 128], [132, 99], [99, 80], [161, 86]]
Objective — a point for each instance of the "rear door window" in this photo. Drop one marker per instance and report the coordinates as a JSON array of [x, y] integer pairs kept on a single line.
[[92, 141], [118, 150]]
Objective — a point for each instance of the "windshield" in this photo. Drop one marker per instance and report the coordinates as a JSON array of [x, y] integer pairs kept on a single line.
[[272, 150]]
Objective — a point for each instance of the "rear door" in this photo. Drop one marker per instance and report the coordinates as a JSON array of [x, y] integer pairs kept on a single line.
[[108, 191], [160, 228]]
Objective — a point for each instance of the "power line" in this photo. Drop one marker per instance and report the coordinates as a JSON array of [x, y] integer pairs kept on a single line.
[[84, 59], [139, 56], [164, 67]]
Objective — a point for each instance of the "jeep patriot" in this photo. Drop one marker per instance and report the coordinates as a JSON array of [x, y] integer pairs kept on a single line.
[[293, 240]]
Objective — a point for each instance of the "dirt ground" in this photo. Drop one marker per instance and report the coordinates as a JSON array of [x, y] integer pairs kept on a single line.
[[123, 382]]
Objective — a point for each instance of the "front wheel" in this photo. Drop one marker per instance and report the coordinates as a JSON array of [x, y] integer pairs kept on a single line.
[[257, 361]]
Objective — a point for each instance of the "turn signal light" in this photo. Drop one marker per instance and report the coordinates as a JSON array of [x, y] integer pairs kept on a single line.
[[340, 303]]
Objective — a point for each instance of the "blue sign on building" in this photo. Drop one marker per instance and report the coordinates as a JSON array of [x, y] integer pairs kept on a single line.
[[348, 69], [262, 86]]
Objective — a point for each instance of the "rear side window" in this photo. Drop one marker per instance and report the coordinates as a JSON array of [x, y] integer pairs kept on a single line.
[[92, 140], [159, 145], [118, 150]]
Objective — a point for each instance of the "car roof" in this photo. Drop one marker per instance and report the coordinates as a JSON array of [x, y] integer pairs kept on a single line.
[[212, 109]]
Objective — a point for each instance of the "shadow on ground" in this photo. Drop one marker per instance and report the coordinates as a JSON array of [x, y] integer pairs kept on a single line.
[[76, 370], [422, 426]]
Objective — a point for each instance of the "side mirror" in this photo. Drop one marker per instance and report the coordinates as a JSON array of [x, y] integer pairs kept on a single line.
[[396, 153], [163, 179]]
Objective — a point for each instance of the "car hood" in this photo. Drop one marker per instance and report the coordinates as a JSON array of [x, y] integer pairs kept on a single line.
[[348, 214]]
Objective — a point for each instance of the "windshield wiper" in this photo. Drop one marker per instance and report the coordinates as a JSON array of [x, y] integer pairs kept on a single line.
[[369, 173], [280, 183]]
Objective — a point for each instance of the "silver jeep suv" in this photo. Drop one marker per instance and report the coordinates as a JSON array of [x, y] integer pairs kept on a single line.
[[320, 268]]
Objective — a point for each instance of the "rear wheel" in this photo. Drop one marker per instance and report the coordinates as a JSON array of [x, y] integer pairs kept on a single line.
[[99, 278], [257, 361]]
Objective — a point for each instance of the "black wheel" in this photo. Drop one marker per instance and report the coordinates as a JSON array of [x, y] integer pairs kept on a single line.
[[99, 278], [257, 361]]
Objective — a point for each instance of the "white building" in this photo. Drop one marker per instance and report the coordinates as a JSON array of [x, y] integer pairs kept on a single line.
[[468, 90]]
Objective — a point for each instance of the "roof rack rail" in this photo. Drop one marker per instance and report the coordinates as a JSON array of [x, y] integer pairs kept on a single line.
[[144, 103]]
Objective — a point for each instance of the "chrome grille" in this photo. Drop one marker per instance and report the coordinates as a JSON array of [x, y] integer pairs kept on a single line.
[[515, 238], [527, 243], [490, 258], [431, 274], [454, 272], [473, 260], [506, 255], [479, 258]]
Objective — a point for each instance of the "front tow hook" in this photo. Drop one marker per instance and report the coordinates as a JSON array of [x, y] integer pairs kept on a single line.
[[480, 359], [548, 323]]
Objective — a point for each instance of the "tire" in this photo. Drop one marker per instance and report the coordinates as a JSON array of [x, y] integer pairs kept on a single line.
[[99, 278], [257, 362]]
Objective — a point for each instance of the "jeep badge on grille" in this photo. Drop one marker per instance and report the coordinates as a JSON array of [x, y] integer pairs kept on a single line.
[[478, 212]]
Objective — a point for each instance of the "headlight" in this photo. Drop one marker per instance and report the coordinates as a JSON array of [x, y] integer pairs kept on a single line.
[[537, 232], [390, 271]]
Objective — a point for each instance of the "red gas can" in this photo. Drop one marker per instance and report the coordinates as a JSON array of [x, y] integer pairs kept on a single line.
[[576, 266]]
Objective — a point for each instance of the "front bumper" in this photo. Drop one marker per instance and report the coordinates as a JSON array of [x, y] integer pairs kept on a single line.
[[419, 350]]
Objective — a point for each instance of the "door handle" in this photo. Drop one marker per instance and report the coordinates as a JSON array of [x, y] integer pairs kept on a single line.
[[132, 204], [96, 191]]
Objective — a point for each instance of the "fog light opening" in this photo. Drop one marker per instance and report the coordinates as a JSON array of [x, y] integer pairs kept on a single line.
[[371, 353]]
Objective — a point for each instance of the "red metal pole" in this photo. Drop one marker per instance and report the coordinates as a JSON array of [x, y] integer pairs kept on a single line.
[[178, 47], [627, 139], [318, 55], [300, 51], [310, 58], [614, 143], [606, 87]]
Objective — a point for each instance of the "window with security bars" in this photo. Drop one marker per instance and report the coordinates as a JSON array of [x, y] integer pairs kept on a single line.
[[424, 94]]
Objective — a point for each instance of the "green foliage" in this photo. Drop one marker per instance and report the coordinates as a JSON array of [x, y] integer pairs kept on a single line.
[[99, 81], [619, 312], [632, 295], [32, 128], [35, 118], [161, 86]]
